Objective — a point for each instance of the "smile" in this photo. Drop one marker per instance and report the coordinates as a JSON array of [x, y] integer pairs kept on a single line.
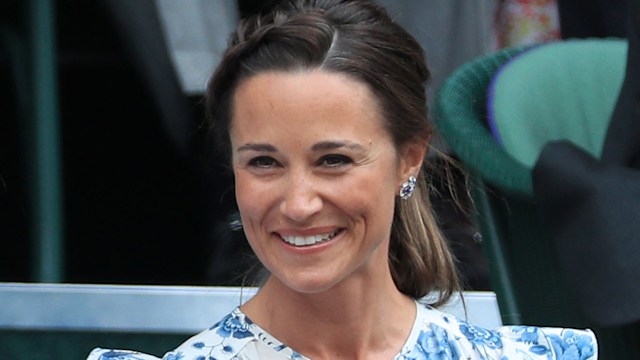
[[309, 240]]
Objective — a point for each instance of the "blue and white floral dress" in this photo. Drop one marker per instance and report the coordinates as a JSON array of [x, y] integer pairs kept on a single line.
[[435, 335]]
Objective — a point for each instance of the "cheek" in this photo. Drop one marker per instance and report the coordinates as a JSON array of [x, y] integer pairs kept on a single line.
[[248, 205], [254, 198], [247, 196], [368, 195], [240, 187]]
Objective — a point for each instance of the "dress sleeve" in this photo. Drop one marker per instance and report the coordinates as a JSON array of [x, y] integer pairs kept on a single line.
[[547, 343], [110, 354]]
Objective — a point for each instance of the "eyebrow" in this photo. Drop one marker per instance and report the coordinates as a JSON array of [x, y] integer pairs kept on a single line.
[[257, 147], [321, 146], [331, 145]]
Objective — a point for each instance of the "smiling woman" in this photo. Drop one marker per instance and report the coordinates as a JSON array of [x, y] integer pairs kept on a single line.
[[317, 195], [320, 108]]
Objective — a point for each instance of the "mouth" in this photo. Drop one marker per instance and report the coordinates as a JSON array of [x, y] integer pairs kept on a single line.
[[302, 241]]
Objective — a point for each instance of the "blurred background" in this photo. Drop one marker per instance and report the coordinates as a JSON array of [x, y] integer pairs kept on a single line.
[[106, 172]]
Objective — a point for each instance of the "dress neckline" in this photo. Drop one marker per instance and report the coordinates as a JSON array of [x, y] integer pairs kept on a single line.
[[263, 336]]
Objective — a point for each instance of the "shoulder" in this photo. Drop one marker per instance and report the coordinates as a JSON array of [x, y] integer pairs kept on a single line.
[[444, 335], [110, 354], [224, 340], [233, 337], [555, 343]]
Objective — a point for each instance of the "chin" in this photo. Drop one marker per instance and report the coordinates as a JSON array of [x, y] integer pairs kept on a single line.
[[311, 284]]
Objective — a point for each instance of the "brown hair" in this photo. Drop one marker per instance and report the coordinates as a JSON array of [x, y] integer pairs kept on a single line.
[[356, 38]]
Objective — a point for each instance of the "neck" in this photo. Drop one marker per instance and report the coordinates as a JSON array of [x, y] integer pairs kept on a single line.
[[355, 319]]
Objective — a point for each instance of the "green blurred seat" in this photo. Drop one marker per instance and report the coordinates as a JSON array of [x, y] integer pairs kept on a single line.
[[496, 113]]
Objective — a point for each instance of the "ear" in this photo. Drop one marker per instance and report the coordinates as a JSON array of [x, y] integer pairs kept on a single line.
[[412, 155]]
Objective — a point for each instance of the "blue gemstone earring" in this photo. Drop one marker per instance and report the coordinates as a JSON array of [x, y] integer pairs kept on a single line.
[[406, 189]]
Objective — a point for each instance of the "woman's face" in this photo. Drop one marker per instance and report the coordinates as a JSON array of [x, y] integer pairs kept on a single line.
[[316, 177]]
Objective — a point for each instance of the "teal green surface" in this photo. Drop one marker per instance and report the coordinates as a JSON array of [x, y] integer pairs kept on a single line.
[[521, 253], [71, 345], [562, 90]]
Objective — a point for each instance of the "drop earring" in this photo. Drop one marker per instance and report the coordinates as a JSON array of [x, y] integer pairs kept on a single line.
[[406, 189]]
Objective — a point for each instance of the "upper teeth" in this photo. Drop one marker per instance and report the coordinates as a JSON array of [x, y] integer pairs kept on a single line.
[[307, 240]]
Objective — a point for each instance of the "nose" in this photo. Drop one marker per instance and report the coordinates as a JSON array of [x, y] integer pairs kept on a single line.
[[301, 199]]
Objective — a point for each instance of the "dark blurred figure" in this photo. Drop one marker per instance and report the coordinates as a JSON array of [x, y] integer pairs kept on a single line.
[[592, 18], [591, 204]]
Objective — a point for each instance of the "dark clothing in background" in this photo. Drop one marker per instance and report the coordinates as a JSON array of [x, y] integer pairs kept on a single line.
[[592, 206], [592, 18]]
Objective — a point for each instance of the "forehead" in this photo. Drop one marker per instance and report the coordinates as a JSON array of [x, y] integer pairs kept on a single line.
[[317, 100], [315, 87]]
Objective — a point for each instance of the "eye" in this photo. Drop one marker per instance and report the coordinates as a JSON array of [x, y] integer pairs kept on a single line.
[[335, 160], [264, 162]]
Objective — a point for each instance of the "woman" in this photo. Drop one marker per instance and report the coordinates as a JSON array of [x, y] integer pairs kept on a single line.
[[320, 108]]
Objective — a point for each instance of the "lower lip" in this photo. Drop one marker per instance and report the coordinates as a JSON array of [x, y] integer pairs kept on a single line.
[[309, 249]]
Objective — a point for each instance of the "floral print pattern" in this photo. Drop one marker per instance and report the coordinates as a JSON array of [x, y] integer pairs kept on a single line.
[[572, 345], [435, 336], [433, 344], [481, 337], [233, 325]]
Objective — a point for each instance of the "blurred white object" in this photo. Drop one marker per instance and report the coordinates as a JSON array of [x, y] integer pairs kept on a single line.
[[170, 309]]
